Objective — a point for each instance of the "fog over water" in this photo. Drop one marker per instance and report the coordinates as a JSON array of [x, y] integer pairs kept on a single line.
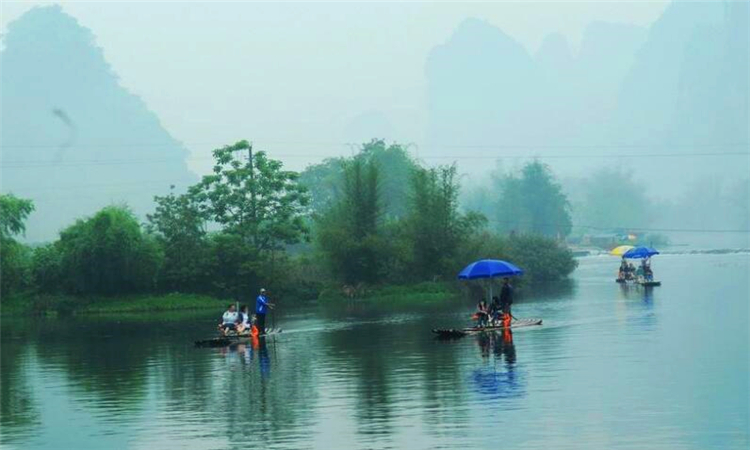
[[108, 102]]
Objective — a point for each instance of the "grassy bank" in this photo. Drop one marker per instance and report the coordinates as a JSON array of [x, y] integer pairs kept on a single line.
[[422, 293], [65, 304]]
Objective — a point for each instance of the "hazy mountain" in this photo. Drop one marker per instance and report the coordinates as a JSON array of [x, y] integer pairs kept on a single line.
[[73, 139], [687, 92], [680, 86], [483, 87], [486, 91]]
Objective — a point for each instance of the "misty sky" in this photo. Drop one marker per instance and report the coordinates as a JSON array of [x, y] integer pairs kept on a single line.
[[294, 76]]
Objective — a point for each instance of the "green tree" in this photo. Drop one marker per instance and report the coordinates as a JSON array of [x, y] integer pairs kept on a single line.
[[348, 233], [47, 268], [325, 181], [436, 228], [13, 214], [180, 230], [533, 203], [108, 254], [15, 258], [253, 198], [394, 166]]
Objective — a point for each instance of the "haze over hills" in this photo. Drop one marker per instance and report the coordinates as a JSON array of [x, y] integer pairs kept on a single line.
[[73, 140], [679, 87]]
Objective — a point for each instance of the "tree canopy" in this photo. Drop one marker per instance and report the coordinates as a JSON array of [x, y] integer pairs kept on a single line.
[[253, 198], [533, 202]]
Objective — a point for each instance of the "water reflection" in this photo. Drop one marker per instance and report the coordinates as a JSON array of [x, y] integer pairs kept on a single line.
[[648, 295], [362, 379], [629, 291], [18, 413], [490, 382], [246, 354]]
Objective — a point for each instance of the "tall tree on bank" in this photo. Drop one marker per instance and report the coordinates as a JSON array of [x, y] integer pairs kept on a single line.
[[253, 198], [533, 203], [348, 233], [14, 256], [180, 229], [435, 226], [325, 181]]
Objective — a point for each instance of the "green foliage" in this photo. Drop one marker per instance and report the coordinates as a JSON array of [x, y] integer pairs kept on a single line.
[[15, 258], [325, 181], [233, 265], [47, 268], [394, 295], [349, 232], [543, 259], [395, 166], [15, 266], [51, 304], [107, 254], [384, 221], [13, 213], [435, 226], [533, 203], [254, 199], [178, 227]]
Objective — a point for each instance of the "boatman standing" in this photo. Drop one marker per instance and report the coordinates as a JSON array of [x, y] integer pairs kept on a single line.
[[261, 307], [506, 299]]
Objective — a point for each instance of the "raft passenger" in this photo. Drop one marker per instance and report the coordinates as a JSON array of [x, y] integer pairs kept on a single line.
[[483, 314], [244, 322], [496, 310], [229, 319]]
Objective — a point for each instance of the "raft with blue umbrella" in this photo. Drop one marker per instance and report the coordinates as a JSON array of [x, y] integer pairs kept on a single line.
[[640, 253], [643, 253], [487, 269]]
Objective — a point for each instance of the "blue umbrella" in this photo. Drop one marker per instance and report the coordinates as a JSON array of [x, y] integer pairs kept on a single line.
[[488, 268], [640, 253]]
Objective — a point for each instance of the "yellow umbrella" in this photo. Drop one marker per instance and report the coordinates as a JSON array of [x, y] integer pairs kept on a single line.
[[621, 250]]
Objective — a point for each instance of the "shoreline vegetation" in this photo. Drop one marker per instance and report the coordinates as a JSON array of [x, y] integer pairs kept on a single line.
[[378, 226], [50, 305], [61, 304]]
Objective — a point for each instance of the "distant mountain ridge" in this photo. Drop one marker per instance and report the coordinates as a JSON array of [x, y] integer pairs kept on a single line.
[[680, 86], [72, 138]]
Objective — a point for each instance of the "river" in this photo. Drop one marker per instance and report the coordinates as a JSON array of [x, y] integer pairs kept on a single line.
[[611, 367]]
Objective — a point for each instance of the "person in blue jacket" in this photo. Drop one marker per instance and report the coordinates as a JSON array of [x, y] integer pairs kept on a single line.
[[261, 307]]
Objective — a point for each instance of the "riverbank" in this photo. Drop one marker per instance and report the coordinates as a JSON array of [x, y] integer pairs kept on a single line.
[[45, 304], [421, 293], [65, 304]]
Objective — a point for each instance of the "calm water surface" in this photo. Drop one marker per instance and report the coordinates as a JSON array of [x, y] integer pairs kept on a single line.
[[611, 367]]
